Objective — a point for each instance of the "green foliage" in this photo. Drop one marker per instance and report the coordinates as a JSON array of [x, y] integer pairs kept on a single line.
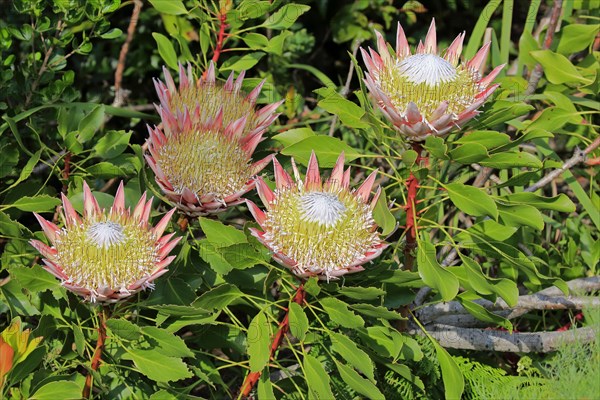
[[211, 319]]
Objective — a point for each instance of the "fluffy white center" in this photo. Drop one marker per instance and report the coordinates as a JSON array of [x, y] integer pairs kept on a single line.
[[427, 68], [106, 234], [323, 208]]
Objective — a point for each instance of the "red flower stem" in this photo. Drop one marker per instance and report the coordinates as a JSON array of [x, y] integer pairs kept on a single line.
[[220, 35], [284, 327], [96, 358], [412, 184]]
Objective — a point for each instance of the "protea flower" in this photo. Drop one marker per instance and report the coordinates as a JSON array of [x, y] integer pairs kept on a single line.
[[202, 159], [314, 228], [106, 256], [425, 93]]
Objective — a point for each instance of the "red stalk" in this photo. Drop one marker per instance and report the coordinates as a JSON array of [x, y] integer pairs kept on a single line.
[[220, 36], [284, 327], [96, 358]]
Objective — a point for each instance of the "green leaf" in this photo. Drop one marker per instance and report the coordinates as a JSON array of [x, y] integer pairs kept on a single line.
[[557, 203], [502, 287], [557, 68], [242, 63], [433, 274], [521, 215], [552, 119], [487, 229], [502, 112], [218, 298], [79, 340], [480, 312], [41, 203], [285, 16], [64, 390], [312, 286], [362, 293], [166, 50], [454, 383], [277, 42], [220, 235], [317, 379], [349, 113], [512, 160], [326, 148], [90, 124], [471, 200], [172, 7], [255, 40], [169, 344], [385, 340], [339, 313], [264, 391], [35, 279], [112, 144], [214, 257], [298, 321], [27, 169], [159, 367], [112, 33], [171, 291], [576, 37], [358, 383], [383, 216], [436, 146], [292, 136], [258, 339], [376, 311], [469, 153], [124, 329], [174, 310], [353, 355]]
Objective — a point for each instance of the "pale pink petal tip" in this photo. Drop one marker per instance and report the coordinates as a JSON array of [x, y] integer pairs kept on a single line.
[[119, 202], [313, 176], [430, 39]]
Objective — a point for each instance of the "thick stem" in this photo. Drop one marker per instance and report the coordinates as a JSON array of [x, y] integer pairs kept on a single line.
[[96, 358], [412, 185], [220, 36], [284, 327], [119, 94]]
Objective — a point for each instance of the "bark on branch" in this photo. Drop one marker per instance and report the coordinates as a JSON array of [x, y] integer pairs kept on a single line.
[[516, 342], [552, 298]]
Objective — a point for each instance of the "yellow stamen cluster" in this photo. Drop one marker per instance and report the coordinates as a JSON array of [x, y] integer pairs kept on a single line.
[[401, 82], [205, 162], [323, 231], [112, 252], [211, 97]]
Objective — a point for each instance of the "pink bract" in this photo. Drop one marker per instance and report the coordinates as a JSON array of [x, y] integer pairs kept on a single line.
[[317, 228], [425, 94], [202, 157], [106, 255]]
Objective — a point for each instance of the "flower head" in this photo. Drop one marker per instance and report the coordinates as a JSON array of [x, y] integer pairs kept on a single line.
[[426, 93], [202, 156], [106, 255], [318, 229]]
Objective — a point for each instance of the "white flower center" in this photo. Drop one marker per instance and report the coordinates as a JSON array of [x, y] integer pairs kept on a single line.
[[428, 68], [106, 234], [323, 208]]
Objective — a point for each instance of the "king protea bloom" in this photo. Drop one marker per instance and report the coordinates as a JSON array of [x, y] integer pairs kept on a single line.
[[106, 255], [427, 93], [314, 228], [202, 158]]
